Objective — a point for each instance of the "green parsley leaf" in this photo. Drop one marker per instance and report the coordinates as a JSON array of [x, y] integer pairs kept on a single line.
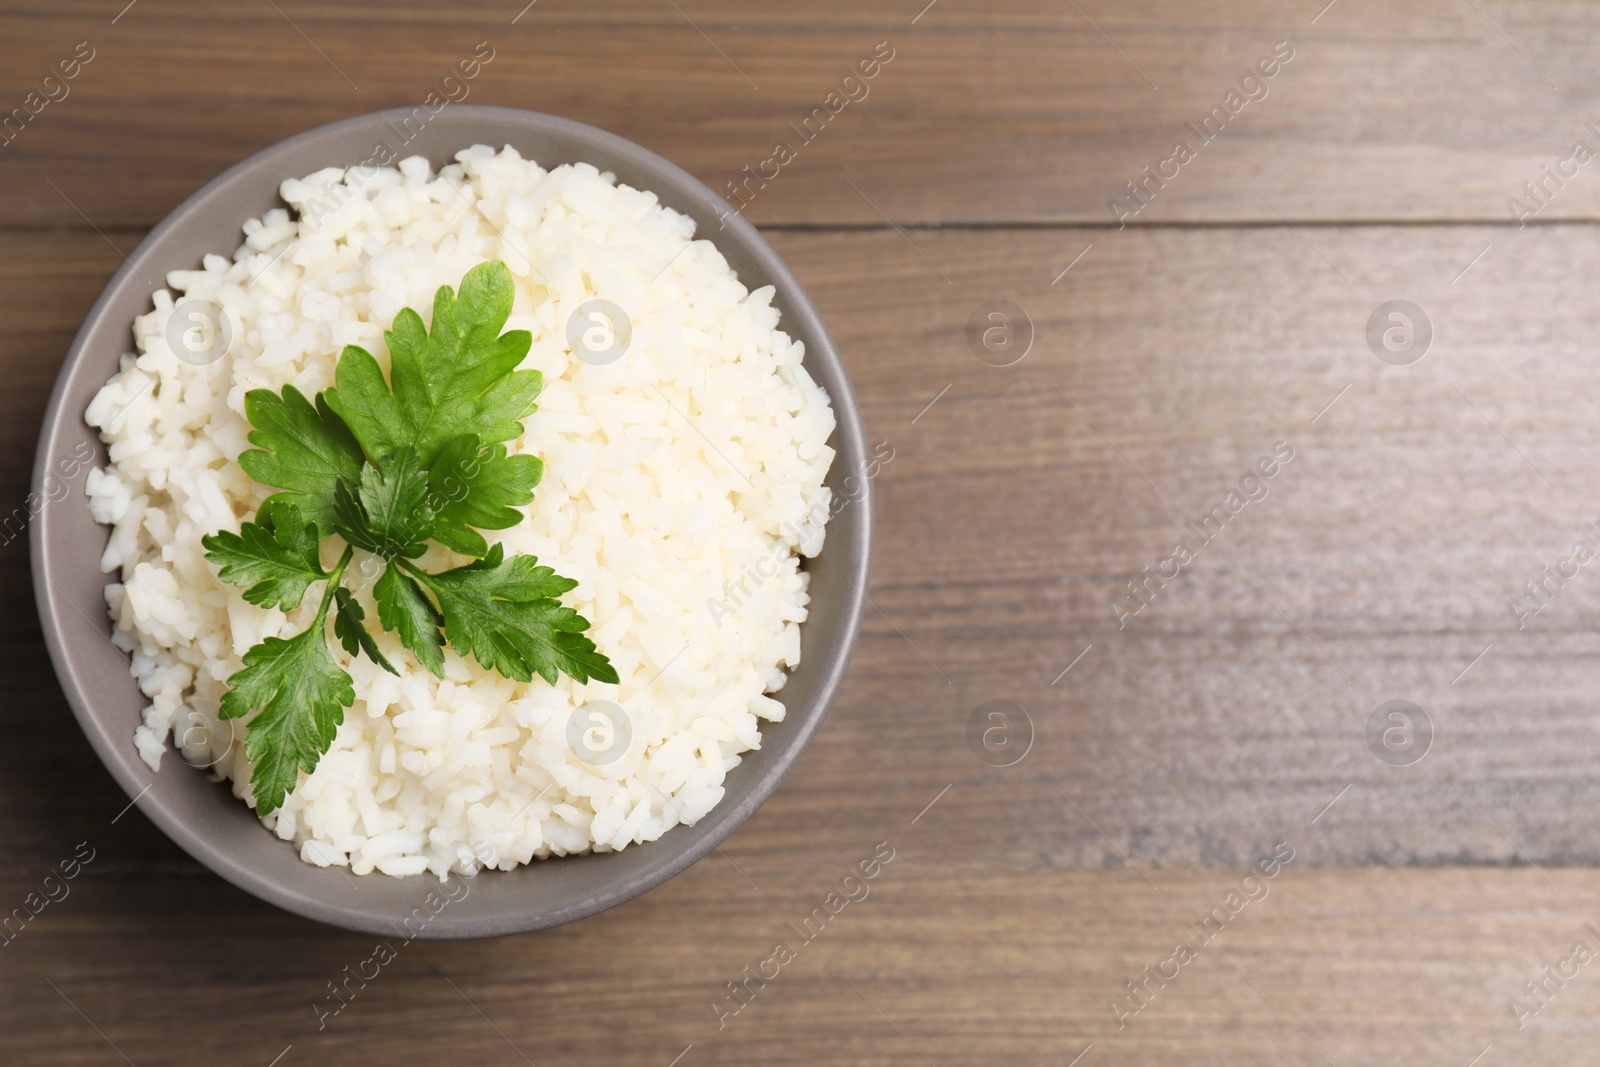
[[404, 607], [299, 695], [460, 378], [504, 613], [347, 627], [397, 502], [389, 464], [479, 487], [391, 513], [274, 559], [304, 449], [363, 401], [350, 519]]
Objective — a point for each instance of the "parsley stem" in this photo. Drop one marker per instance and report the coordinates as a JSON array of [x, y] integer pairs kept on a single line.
[[416, 571], [334, 577]]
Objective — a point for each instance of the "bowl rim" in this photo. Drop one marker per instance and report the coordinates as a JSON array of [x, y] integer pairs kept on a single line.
[[117, 753]]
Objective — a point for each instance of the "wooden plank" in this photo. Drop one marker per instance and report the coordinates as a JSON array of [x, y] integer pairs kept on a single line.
[[1379, 567], [966, 962], [1016, 111], [1234, 707]]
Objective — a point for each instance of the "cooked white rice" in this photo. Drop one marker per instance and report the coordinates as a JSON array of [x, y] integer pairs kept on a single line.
[[674, 479]]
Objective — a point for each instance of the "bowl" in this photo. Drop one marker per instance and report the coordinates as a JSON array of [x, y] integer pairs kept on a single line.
[[202, 816]]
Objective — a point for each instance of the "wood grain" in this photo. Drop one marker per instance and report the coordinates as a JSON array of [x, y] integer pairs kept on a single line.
[[1202, 733], [1015, 111], [1379, 567], [965, 964], [1185, 741], [1233, 708]]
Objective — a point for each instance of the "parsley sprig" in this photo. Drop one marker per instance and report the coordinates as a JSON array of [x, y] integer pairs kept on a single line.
[[387, 465]]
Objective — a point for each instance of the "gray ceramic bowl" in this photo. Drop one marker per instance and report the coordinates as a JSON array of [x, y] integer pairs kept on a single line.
[[203, 817]]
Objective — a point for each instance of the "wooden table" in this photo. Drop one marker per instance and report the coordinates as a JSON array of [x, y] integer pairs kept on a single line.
[[1176, 341]]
